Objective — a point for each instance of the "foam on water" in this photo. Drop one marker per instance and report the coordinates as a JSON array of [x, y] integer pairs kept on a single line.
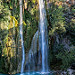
[[36, 73]]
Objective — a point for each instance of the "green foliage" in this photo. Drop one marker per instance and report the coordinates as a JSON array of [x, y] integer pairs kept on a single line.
[[67, 57], [70, 22], [33, 1], [31, 23], [61, 22], [3, 65], [9, 32], [4, 11], [9, 29], [57, 20]]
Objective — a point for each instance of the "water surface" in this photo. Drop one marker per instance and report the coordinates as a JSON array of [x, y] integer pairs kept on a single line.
[[36, 73], [3, 74]]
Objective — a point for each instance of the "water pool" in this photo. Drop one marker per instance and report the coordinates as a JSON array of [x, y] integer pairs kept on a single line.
[[32, 73], [3, 74], [36, 73]]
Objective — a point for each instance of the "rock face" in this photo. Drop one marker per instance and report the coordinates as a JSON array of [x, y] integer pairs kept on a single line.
[[68, 72], [71, 71], [73, 66], [64, 40]]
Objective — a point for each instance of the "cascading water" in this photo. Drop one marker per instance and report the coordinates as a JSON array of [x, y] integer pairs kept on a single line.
[[43, 40], [43, 36], [21, 35], [32, 51]]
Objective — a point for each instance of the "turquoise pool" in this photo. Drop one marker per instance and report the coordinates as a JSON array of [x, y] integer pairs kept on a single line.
[[36, 73], [32, 73], [3, 74]]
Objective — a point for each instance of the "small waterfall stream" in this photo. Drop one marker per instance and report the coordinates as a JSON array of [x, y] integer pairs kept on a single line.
[[21, 35], [31, 53], [43, 36]]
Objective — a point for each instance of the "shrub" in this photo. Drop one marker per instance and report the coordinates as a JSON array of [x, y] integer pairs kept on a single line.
[[67, 57]]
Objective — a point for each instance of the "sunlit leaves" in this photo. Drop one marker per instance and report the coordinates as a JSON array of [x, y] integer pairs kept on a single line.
[[60, 7], [24, 23], [33, 1], [13, 22]]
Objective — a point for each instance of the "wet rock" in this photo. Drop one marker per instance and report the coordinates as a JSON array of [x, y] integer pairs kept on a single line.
[[71, 71], [73, 66]]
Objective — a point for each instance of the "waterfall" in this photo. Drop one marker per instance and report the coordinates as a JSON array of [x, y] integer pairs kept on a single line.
[[43, 41], [43, 36], [21, 35], [31, 53]]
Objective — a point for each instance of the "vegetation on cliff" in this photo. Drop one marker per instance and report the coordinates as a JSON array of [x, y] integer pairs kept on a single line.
[[61, 33]]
